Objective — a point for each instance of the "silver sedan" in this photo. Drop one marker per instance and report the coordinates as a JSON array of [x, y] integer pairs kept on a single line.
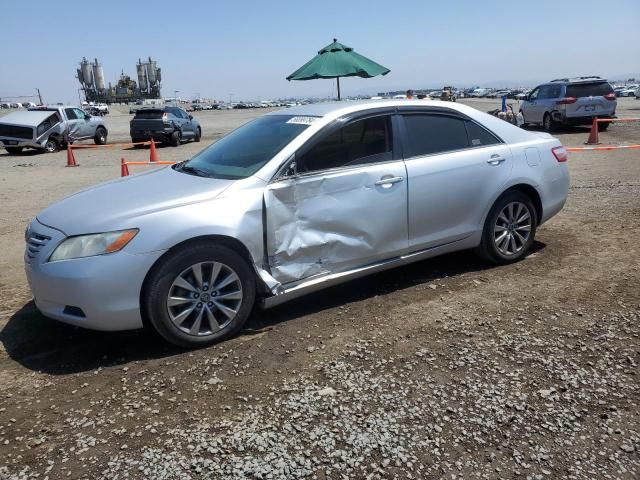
[[289, 203]]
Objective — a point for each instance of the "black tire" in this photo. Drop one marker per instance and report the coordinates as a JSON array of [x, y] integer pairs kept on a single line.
[[602, 126], [162, 276], [100, 138], [198, 135], [174, 140], [488, 248], [548, 124], [14, 150], [52, 145]]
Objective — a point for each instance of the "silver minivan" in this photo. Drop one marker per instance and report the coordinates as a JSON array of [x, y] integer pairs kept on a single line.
[[569, 101], [289, 203]]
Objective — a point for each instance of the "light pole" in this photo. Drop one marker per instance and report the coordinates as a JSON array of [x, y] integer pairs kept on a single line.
[[175, 96]]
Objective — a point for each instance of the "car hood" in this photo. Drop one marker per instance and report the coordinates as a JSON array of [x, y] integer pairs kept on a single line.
[[116, 204]]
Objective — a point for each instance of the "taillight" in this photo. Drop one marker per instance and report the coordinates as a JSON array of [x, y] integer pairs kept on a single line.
[[610, 96], [566, 100], [165, 117], [560, 153]]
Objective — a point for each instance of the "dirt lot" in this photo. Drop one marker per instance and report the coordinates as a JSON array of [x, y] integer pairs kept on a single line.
[[448, 368]]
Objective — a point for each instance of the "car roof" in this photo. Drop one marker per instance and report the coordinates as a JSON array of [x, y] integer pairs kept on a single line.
[[336, 109], [586, 79]]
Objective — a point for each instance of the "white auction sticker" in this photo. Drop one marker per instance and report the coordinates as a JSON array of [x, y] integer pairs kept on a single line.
[[302, 120]]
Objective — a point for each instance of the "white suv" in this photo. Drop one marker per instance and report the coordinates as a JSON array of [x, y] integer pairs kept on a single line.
[[566, 101]]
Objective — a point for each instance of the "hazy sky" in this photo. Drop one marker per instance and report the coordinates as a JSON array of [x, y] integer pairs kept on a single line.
[[246, 49]]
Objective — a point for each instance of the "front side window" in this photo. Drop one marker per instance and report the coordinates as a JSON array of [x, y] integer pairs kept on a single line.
[[430, 134], [247, 149], [80, 114], [359, 142]]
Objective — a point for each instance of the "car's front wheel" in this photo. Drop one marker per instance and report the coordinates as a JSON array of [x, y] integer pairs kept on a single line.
[[509, 229], [100, 137], [200, 295], [52, 145]]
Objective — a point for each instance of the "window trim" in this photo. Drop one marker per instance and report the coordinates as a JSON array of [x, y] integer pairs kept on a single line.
[[396, 147], [454, 114]]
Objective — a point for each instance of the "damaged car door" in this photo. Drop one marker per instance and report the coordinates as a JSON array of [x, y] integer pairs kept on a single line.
[[340, 203]]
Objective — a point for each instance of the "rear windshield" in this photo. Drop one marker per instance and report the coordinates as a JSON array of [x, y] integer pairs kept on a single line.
[[589, 89], [247, 149], [149, 113]]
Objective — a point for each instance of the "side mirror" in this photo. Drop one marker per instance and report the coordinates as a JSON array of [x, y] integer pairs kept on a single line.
[[190, 117]]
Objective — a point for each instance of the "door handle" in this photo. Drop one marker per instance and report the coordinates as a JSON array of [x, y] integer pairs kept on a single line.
[[496, 160], [388, 180]]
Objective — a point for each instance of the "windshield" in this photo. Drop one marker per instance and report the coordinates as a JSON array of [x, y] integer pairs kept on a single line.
[[247, 149]]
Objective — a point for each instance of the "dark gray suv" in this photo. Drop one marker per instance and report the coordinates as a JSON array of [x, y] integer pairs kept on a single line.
[[166, 124], [569, 101]]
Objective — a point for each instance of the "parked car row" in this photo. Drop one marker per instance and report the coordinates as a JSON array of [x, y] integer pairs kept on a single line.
[[17, 105], [627, 90]]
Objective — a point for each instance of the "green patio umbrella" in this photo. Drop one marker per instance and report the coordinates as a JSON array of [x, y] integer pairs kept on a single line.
[[335, 61]]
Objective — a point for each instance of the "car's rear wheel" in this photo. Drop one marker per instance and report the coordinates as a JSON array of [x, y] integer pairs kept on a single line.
[[509, 229], [13, 150], [52, 145], [174, 140], [200, 295], [100, 138], [548, 124]]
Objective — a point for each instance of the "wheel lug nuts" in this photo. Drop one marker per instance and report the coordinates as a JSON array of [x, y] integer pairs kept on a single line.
[[199, 305], [205, 288], [210, 304]]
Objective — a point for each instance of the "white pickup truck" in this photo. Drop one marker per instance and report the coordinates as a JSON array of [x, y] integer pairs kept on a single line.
[[49, 128]]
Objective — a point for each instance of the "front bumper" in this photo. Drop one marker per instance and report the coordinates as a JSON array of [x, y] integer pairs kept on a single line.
[[100, 293]]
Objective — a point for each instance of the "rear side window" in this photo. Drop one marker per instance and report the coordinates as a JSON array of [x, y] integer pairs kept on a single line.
[[429, 134], [49, 122], [71, 114], [597, 89], [479, 136], [359, 142]]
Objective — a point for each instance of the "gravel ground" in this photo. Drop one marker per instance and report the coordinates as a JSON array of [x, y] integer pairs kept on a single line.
[[447, 368]]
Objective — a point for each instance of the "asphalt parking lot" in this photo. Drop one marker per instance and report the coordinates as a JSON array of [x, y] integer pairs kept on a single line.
[[448, 368]]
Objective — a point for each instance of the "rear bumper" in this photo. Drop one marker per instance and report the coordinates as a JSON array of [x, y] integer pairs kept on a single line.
[[562, 118], [17, 142]]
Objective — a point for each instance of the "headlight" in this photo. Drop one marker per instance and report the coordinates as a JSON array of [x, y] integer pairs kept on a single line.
[[90, 245]]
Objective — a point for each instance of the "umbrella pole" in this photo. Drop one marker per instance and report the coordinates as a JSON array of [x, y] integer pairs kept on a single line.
[[338, 82]]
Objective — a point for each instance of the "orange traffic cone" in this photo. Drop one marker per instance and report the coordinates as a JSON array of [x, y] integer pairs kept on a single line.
[[593, 134], [71, 160], [153, 155], [124, 169]]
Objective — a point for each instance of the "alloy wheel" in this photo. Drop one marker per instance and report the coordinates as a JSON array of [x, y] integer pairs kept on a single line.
[[512, 228], [204, 298]]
